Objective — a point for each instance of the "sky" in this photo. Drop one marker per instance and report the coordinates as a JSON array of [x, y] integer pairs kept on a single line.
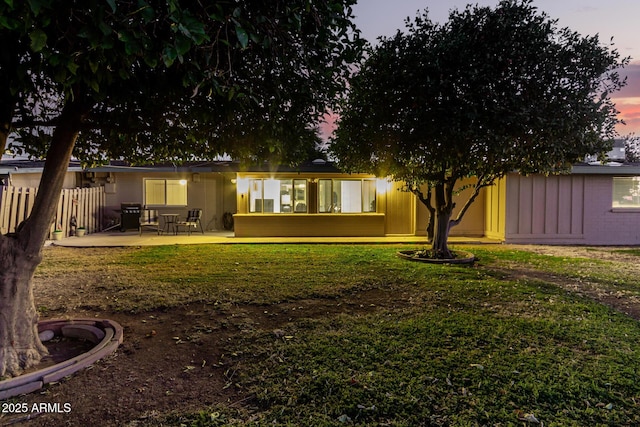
[[619, 19]]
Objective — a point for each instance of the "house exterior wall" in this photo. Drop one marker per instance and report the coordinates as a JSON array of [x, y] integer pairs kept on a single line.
[[399, 208], [605, 225], [567, 209], [310, 223], [545, 210], [472, 223], [204, 191], [32, 180], [495, 210], [397, 212]]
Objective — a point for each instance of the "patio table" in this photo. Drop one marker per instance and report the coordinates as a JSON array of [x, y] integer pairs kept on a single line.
[[170, 220]]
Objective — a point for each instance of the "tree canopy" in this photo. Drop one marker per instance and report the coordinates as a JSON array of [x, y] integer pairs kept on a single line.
[[154, 80], [490, 91], [172, 80]]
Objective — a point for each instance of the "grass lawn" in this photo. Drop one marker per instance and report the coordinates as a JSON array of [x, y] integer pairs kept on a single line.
[[431, 345]]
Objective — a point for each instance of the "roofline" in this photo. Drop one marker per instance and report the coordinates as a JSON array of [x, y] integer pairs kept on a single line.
[[14, 167], [606, 169]]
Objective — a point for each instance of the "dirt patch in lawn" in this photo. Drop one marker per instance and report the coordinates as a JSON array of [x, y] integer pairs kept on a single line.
[[620, 300], [175, 360]]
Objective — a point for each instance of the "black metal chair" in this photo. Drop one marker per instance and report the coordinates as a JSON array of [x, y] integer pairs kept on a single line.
[[194, 219]]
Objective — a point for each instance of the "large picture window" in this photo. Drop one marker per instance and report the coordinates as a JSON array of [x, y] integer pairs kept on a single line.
[[346, 195], [278, 195], [165, 192], [626, 192]]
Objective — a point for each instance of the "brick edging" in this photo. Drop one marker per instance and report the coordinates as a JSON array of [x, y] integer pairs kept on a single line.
[[105, 334]]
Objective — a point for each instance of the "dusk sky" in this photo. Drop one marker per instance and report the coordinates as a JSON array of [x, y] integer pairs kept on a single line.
[[612, 18]]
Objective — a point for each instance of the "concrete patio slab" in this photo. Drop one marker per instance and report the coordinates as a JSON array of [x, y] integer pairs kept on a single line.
[[131, 238]]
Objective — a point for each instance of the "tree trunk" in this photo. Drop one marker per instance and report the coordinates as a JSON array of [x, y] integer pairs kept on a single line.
[[425, 199], [439, 245], [432, 216], [20, 346], [443, 211], [21, 252], [431, 226]]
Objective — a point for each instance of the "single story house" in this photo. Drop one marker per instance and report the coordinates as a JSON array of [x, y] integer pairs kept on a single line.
[[593, 205]]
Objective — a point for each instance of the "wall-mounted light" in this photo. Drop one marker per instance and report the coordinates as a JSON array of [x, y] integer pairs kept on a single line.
[[195, 177], [183, 182], [382, 185]]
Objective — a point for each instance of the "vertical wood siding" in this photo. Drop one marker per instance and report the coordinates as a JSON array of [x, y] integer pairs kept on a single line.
[[541, 208], [85, 204]]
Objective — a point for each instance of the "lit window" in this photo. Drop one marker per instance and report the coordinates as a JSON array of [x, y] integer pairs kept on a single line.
[[346, 195], [626, 192], [165, 192], [278, 195]]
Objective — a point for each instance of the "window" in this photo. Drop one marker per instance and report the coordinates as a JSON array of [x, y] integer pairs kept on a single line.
[[165, 192], [278, 195], [346, 195], [626, 192]]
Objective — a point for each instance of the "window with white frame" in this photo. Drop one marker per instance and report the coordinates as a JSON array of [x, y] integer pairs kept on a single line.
[[165, 192], [626, 192], [346, 195], [278, 196]]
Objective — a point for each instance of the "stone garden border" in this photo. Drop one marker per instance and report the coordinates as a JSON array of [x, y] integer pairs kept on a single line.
[[106, 335], [463, 257]]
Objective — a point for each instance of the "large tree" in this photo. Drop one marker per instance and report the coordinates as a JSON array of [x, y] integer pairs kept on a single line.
[[153, 80], [632, 148], [492, 90]]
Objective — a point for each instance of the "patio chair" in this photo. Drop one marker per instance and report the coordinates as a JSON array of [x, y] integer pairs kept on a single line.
[[149, 219], [194, 219]]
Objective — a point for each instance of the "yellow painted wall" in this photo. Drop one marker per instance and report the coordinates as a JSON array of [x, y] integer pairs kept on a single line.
[[398, 212], [399, 208], [472, 223], [305, 224], [495, 210], [309, 225]]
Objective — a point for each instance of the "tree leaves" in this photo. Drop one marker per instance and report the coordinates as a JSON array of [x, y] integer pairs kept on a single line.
[[177, 81], [38, 40], [112, 4], [243, 37], [488, 92]]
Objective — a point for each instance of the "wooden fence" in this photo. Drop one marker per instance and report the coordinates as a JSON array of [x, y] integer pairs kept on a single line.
[[82, 206]]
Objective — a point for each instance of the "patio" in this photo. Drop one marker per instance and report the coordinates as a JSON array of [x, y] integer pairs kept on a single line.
[[133, 238]]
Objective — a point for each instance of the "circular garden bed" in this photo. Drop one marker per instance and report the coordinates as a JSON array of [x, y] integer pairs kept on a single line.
[[73, 344], [426, 255]]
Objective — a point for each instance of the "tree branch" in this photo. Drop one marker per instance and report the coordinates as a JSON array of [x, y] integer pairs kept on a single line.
[[424, 199], [4, 135], [483, 181]]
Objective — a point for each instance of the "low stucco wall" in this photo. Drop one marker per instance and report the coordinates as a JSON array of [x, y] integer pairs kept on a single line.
[[309, 225]]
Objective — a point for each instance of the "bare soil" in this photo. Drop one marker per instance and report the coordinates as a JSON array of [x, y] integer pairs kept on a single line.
[[625, 302], [178, 360]]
